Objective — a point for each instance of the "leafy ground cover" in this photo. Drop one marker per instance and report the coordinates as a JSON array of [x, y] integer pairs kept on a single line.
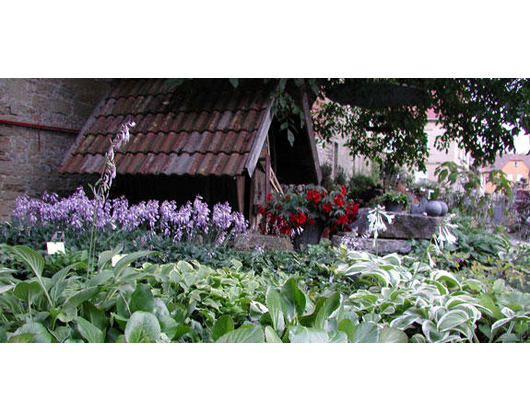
[[321, 295]]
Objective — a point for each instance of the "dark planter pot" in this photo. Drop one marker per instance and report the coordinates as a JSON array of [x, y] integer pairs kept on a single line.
[[310, 236], [394, 207], [419, 208]]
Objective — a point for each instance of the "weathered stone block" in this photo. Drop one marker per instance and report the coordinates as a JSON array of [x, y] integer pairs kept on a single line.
[[404, 225], [254, 241], [384, 246]]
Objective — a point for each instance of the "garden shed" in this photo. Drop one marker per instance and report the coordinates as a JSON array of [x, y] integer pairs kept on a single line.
[[200, 136]]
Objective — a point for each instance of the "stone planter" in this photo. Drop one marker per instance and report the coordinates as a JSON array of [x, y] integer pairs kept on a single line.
[[310, 236]]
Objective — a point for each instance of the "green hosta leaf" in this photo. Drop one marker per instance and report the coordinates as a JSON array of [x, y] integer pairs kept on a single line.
[[34, 261], [6, 288], [95, 315], [244, 334], [346, 326], [142, 327], [392, 335], [326, 311], [382, 276], [89, 331], [338, 337], [365, 332], [222, 326], [271, 336], [21, 339], [27, 290], [276, 307], [39, 331], [293, 297], [31, 258], [142, 299], [405, 321], [185, 267], [452, 319], [6, 271], [447, 278], [301, 334], [80, 297], [127, 259], [432, 333]]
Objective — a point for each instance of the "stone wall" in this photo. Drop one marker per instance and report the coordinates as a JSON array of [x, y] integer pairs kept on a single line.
[[396, 237], [28, 165]]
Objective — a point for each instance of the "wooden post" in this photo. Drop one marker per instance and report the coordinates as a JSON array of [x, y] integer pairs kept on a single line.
[[240, 189]]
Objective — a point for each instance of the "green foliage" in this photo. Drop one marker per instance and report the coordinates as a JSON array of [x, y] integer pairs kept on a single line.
[[483, 114], [393, 197], [321, 296]]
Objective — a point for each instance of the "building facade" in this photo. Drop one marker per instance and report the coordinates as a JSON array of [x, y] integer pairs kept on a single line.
[[338, 156], [39, 121]]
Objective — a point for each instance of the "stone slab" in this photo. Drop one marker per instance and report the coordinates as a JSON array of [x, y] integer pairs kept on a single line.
[[254, 241], [404, 225], [384, 246]]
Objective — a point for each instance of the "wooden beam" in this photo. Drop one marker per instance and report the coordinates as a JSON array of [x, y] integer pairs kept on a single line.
[[311, 135], [240, 189], [275, 183], [259, 141]]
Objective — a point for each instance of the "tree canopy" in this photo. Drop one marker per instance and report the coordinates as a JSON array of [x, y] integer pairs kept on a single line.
[[384, 119]]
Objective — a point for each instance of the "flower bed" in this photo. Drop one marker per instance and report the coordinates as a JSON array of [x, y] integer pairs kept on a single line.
[[71, 218]]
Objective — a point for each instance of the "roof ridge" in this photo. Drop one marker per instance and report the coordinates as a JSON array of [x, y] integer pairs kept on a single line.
[[179, 131], [166, 153], [208, 111]]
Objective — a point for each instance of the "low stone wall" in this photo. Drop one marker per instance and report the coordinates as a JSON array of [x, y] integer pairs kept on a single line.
[[384, 246], [254, 241], [397, 236], [404, 225]]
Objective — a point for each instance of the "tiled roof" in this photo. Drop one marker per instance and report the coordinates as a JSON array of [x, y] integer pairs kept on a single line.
[[503, 160], [200, 127]]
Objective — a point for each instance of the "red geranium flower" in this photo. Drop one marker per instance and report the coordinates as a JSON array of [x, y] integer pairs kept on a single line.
[[314, 196], [338, 201]]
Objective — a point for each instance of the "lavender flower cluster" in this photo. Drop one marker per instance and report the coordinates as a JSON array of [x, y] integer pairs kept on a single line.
[[185, 223]]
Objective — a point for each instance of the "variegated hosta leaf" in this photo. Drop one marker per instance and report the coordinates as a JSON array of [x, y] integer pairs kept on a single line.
[[431, 332], [404, 321], [453, 319]]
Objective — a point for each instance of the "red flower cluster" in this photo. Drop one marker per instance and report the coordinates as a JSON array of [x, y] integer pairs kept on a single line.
[[287, 214], [314, 196], [298, 219], [342, 210]]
